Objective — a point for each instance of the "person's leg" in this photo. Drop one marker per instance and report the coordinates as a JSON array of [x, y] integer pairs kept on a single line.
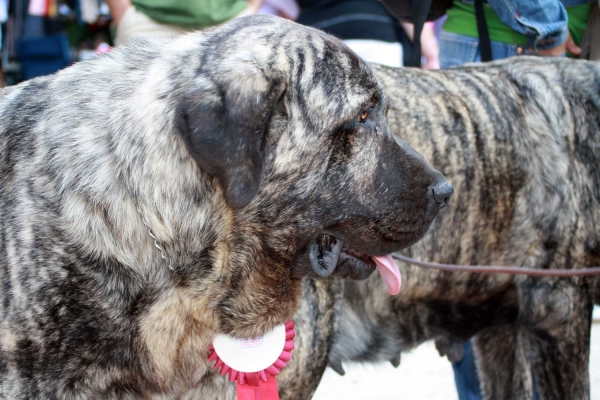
[[457, 49], [504, 50], [465, 376]]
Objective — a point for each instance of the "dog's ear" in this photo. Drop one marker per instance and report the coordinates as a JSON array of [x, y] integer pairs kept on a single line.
[[225, 130]]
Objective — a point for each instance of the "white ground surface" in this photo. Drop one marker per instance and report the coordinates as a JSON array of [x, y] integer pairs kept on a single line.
[[422, 375]]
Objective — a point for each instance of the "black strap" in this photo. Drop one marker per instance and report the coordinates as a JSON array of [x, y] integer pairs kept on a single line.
[[485, 46], [420, 9]]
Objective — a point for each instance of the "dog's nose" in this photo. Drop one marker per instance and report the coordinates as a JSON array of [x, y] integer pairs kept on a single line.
[[442, 191]]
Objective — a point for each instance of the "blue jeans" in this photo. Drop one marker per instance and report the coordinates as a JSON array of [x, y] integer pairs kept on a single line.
[[466, 378], [458, 49]]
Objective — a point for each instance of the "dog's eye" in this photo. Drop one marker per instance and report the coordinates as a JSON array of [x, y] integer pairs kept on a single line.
[[363, 116]]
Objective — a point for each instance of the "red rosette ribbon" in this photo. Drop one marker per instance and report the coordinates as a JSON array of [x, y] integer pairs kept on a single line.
[[260, 385]]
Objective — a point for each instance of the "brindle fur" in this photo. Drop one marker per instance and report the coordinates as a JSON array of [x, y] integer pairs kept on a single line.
[[520, 141], [235, 147]]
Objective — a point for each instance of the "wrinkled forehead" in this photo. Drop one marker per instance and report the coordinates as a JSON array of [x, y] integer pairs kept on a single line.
[[331, 75], [320, 68]]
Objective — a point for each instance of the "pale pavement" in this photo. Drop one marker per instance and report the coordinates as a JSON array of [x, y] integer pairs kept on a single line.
[[422, 375]]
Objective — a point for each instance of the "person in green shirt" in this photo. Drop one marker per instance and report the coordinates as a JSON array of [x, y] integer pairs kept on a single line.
[[157, 18], [542, 27]]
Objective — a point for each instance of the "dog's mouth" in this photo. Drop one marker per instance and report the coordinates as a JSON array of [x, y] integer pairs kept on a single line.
[[330, 256]]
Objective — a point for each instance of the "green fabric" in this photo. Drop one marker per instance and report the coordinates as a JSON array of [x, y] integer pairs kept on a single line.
[[193, 14], [461, 20], [578, 18]]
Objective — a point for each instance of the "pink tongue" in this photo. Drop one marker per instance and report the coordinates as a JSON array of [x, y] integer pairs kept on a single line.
[[389, 273]]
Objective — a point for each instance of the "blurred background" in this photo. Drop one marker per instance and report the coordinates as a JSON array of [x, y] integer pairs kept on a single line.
[[41, 37]]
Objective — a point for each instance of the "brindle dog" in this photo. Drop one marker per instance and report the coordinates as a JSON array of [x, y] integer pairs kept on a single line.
[[520, 140], [165, 192]]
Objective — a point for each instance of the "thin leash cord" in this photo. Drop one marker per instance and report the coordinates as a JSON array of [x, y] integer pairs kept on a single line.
[[492, 269]]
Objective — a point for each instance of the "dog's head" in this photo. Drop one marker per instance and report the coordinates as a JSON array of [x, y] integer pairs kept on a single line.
[[292, 127]]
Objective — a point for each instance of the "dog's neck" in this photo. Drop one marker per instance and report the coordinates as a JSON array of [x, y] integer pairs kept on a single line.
[[374, 326]]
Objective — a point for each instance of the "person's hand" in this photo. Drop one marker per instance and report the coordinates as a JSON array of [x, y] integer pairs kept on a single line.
[[117, 9], [254, 5], [559, 51]]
